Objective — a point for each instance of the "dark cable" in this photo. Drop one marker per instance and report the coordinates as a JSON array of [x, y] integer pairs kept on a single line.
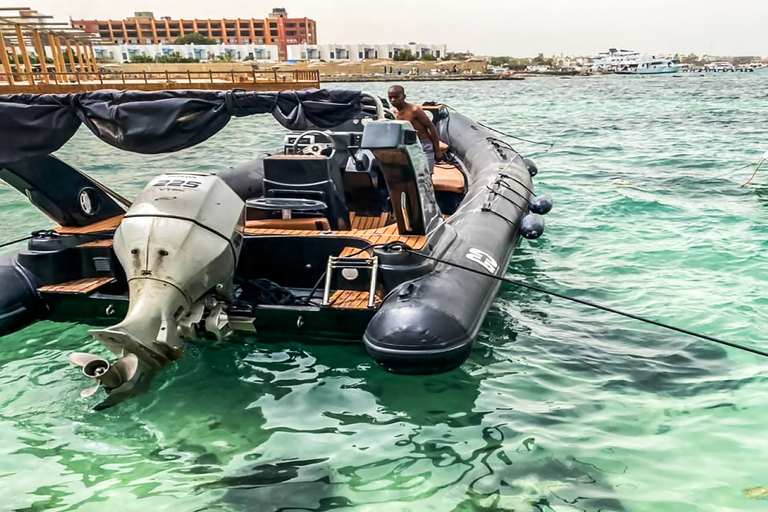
[[15, 241], [755, 351], [550, 144]]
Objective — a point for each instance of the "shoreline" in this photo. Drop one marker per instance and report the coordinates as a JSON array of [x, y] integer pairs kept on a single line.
[[439, 78]]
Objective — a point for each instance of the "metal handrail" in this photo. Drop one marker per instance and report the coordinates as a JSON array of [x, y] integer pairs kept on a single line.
[[376, 101], [188, 76]]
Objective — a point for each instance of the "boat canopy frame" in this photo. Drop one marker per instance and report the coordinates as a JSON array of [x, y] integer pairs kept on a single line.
[[34, 125]]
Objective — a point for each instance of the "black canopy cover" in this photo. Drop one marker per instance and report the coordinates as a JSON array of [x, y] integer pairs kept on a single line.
[[33, 125]]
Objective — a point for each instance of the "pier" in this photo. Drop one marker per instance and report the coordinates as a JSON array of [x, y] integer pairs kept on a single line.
[[707, 70], [53, 82], [419, 78]]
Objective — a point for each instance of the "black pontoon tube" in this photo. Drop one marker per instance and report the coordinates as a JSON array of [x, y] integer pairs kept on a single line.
[[20, 303], [428, 325]]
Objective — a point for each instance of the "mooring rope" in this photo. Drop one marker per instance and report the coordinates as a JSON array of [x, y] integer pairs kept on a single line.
[[405, 247], [6, 244], [521, 139], [757, 168]]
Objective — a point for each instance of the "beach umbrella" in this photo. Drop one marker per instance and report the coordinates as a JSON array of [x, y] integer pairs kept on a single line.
[[354, 63]]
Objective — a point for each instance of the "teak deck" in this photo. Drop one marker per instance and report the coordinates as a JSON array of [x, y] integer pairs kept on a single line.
[[373, 235], [106, 242], [376, 236], [105, 226], [78, 286], [351, 299]]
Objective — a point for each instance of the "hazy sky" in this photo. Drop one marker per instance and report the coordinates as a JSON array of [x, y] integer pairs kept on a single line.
[[521, 28]]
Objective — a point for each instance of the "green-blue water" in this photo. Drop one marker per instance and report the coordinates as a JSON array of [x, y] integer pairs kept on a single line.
[[559, 407]]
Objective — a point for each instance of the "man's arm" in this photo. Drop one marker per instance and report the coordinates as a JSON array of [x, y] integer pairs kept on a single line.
[[431, 131]]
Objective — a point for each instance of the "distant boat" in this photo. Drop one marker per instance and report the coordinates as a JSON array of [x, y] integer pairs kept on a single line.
[[719, 66], [613, 59], [649, 67]]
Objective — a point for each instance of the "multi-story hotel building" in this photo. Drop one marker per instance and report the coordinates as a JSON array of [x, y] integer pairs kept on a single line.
[[143, 29], [358, 52]]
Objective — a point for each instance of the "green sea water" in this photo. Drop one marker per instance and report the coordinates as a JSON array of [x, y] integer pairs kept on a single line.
[[558, 408]]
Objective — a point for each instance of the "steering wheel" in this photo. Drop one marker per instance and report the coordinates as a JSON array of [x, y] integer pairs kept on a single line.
[[315, 148]]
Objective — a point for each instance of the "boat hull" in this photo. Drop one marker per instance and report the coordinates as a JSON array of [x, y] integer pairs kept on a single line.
[[424, 303]]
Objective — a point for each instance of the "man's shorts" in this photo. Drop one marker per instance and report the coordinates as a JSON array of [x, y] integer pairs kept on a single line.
[[429, 151]]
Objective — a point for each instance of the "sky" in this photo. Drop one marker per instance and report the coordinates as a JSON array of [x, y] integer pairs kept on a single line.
[[519, 28]]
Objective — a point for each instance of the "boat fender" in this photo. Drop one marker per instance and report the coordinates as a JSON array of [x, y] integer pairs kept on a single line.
[[532, 226], [541, 205], [532, 169]]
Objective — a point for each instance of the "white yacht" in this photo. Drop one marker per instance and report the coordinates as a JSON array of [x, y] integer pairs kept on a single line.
[[648, 66], [613, 59], [630, 62], [719, 66]]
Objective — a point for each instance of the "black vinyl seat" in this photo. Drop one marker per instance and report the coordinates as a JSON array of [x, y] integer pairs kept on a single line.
[[308, 177]]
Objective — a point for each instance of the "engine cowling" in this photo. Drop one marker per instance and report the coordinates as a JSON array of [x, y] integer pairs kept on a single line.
[[178, 244]]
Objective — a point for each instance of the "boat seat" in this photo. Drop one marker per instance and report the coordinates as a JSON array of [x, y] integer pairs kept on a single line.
[[447, 178], [361, 192], [303, 224], [308, 177]]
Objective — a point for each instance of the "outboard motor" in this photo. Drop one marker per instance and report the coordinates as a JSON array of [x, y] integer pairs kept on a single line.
[[179, 244]]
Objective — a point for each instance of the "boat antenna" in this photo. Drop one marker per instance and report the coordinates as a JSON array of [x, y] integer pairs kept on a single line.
[[757, 168], [404, 247]]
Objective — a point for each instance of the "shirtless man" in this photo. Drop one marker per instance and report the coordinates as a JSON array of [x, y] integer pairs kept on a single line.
[[424, 128]]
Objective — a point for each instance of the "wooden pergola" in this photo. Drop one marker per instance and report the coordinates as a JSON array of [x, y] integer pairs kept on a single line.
[[22, 28], [74, 68]]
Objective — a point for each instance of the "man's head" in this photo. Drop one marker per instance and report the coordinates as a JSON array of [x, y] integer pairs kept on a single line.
[[396, 96]]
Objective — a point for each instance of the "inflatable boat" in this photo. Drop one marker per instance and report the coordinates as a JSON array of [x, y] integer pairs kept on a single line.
[[342, 233]]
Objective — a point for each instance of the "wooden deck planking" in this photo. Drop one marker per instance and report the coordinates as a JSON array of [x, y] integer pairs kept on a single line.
[[107, 242], [351, 299], [78, 286], [373, 237], [106, 225], [354, 252]]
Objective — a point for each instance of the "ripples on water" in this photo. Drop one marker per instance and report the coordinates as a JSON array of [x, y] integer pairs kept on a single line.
[[558, 408]]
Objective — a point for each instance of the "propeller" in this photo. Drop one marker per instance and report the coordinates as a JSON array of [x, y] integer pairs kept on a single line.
[[115, 378]]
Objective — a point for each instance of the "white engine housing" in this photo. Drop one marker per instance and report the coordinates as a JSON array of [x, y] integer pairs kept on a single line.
[[184, 229], [180, 239]]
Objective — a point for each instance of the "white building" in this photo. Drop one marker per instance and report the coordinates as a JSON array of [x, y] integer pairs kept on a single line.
[[354, 52], [203, 52]]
